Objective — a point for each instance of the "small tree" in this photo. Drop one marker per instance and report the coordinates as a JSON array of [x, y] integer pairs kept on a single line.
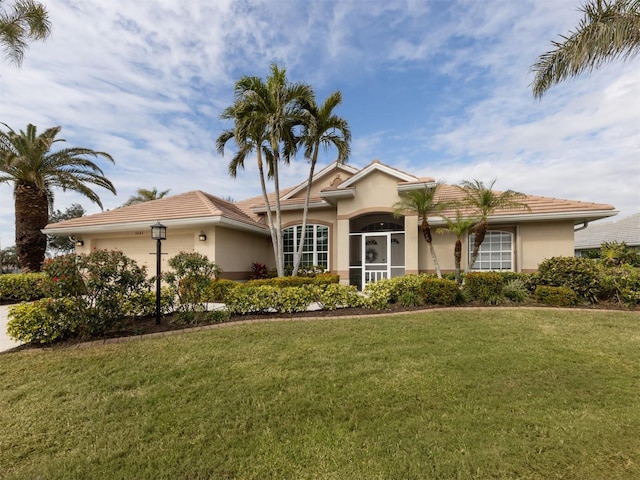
[[485, 201], [191, 279], [460, 227], [422, 203]]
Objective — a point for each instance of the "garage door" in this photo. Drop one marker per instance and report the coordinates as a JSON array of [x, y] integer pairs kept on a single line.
[[143, 250]]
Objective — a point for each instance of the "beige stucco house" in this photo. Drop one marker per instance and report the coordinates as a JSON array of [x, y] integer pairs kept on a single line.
[[351, 228]]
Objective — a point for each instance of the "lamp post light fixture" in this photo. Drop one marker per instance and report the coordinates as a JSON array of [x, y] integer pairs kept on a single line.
[[158, 233]]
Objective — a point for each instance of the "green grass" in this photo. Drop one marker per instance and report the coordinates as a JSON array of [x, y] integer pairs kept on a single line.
[[504, 393]]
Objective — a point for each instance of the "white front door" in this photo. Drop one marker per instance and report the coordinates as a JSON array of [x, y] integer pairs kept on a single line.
[[375, 257]]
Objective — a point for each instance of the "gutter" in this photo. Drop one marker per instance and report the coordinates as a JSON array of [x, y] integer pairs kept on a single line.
[[582, 227]]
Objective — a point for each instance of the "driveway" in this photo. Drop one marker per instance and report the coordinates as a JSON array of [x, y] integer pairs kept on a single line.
[[6, 343]]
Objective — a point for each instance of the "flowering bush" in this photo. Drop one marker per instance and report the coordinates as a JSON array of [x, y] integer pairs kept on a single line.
[[64, 277]]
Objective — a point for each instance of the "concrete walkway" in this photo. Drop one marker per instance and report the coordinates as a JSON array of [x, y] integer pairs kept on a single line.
[[6, 343]]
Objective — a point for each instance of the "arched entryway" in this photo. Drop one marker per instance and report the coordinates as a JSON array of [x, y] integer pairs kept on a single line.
[[376, 248]]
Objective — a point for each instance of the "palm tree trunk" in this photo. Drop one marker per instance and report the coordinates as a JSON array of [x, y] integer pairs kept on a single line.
[[457, 255], [481, 231], [263, 185], [278, 226], [426, 233], [32, 215], [297, 255]]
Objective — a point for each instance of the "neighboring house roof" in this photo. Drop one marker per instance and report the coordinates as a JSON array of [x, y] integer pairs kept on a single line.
[[195, 207], [624, 230], [199, 208]]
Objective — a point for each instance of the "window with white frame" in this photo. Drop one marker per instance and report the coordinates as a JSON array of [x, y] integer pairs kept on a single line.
[[496, 251], [316, 245]]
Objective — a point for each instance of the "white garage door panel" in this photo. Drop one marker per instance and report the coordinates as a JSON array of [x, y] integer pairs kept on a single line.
[[143, 250]]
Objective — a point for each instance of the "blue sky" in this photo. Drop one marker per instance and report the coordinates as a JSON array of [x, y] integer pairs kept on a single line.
[[436, 88]]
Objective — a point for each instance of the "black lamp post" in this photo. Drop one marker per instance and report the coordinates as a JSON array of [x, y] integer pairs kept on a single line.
[[158, 233]]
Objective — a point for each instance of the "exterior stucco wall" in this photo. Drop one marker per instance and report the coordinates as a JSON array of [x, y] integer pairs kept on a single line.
[[541, 241], [443, 244], [237, 250], [377, 192]]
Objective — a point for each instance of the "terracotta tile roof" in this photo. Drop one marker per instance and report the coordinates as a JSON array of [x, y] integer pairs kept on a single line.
[[194, 204], [624, 230], [538, 205], [200, 205]]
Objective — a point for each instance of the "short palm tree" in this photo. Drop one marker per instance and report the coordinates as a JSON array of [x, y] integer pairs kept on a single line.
[[321, 128], [422, 202], [265, 115], [460, 227], [484, 201], [145, 195], [27, 161], [610, 29], [25, 20]]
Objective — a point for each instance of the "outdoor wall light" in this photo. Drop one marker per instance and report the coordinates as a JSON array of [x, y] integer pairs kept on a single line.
[[79, 242], [202, 237]]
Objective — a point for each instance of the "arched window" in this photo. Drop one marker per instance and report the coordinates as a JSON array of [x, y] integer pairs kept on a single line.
[[316, 245], [496, 251]]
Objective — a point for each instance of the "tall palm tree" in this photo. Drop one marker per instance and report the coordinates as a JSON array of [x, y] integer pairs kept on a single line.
[[322, 128], [422, 202], [27, 161], [25, 20], [265, 115], [610, 29], [459, 226], [485, 202], [144, 195]]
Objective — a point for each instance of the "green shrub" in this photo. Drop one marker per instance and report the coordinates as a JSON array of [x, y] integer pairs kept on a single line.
[[621, 285], [293, 299], [410, 298], [380, 294], [516, 290], [110, 277], [191, 279], [282, 282], [217, 289], [143, 304], [44, 321], [436, 291], [485, 287], [579, 274], [556, 296], [327, 278], [336, 296], [246, 299], [23, 287]]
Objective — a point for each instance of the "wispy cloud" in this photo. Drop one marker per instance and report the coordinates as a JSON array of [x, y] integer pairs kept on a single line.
[[437, 88]]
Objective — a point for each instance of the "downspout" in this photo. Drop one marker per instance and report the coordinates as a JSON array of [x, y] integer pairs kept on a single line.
[[584, 225]]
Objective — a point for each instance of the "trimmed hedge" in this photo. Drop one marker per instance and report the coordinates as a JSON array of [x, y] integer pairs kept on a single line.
[[485, 287], [436, 291], [556, 296], [44, 321], [23, 287]]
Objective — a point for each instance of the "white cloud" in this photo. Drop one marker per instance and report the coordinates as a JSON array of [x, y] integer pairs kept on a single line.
[[436, 88]]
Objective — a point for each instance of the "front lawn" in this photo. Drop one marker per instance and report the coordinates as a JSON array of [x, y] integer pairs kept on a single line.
[[503, 393]]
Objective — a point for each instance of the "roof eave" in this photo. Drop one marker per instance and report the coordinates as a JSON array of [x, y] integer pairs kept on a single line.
[[408, 187], [175, 223], [296, 206]]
